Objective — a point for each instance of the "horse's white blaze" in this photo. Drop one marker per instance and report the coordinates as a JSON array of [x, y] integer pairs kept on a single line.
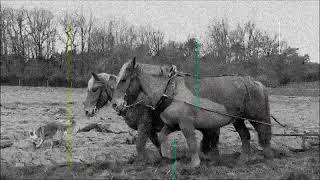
[[34, 135]]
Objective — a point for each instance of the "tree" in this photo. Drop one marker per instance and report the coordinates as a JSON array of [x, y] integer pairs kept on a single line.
[[156, 41], [42, 30], [90, 25], [83, 30], [3, 30], [218, 40], [98, 40], [237, 44], [69, 19], [173, 52], [189, 47]]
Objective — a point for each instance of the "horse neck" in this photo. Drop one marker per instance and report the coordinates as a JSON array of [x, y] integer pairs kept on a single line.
[[152, 85], [179, 81], [180, 87]]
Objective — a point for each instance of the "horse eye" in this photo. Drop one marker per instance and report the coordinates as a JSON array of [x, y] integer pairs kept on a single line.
[[95, 89]]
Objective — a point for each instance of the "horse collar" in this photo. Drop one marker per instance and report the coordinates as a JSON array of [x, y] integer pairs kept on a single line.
[[168, 92]]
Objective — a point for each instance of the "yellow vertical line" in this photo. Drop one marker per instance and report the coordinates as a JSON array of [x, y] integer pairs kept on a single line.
[[69, 99]]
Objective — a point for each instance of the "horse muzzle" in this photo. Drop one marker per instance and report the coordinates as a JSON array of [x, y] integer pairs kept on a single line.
[[119, 104], [92, 113]]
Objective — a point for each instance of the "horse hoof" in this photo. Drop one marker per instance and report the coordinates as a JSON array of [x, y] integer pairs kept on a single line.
[[195, 162], [194, 165], [139, 163], [214, 154], [268, 153], [243, 159], [205, 156], [141, 159]]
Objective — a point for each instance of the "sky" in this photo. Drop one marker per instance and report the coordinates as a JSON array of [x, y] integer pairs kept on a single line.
[[299, 20]]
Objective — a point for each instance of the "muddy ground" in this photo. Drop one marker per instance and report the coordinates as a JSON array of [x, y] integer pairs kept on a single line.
[[109, 154]]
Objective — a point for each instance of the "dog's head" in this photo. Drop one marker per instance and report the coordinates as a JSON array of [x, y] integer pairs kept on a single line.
[[35, 135]]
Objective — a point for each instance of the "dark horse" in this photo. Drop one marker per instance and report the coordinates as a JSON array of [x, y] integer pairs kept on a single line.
[[236, 95]]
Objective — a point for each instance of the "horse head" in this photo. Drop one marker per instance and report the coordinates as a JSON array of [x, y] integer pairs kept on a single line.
[[99, 92], [131, 78]]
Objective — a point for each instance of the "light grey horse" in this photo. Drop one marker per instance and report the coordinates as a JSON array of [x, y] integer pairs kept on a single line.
[[234, 95]]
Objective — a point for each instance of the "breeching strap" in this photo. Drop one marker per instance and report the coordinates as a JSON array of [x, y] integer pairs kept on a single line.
[[233, 116], [225, 114]]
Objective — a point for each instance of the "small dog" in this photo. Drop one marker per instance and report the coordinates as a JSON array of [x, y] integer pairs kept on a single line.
[[50, 131]]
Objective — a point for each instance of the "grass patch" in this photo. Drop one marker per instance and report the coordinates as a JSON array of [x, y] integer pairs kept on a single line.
[[303, 85], [294, 92]]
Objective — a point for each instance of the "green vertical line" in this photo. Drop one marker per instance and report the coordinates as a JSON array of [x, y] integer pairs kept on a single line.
[[69, 99], [175, 160], [197, 67]]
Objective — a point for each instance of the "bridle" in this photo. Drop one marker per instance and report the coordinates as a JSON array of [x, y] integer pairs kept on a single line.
[[109, 98], [173, 73], [140, 102]]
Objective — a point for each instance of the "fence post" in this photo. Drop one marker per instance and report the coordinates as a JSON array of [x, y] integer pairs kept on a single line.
[[19, 82], [47, 83]]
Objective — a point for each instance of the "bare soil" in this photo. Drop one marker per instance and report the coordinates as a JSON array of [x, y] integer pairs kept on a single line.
[[110, 154]]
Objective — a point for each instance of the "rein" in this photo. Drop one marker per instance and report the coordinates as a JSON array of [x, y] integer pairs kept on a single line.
[[180, 73], [139, 102]]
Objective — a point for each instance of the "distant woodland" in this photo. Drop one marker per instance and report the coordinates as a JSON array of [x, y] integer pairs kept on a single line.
[[34, 50]]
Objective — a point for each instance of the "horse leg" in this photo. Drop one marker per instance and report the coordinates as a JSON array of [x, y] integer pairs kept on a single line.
[[164, 133], [264, 135], [245, 139], [209, 142], [261, 112], [188, 129], [154, 139], [143, 134]]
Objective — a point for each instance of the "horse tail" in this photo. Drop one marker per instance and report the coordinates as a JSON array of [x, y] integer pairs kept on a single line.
[[265, 94], [267, 104]]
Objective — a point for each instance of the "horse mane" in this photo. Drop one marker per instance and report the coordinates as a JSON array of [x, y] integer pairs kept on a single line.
[[155, 70], [103, 76]]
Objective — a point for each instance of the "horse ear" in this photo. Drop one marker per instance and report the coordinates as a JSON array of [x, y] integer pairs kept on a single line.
[[95, 76]]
